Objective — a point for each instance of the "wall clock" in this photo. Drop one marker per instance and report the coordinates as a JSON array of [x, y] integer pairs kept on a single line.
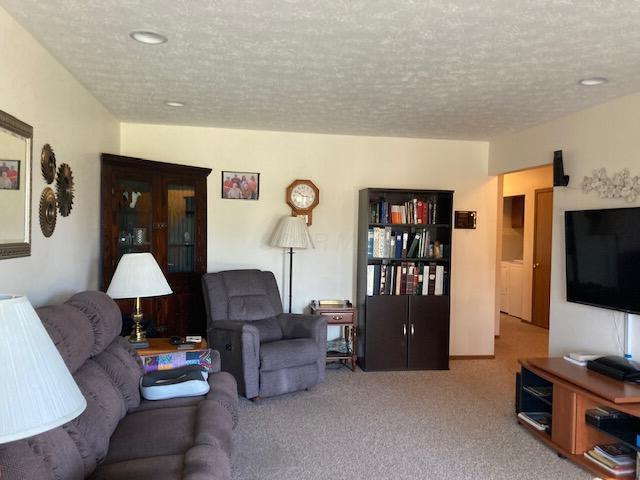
[[303, 196]]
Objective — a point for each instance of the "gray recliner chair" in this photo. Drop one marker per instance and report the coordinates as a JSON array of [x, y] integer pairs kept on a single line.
[[267, 351]]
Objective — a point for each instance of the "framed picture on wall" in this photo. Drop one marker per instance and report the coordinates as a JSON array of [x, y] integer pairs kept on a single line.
[[240, 185], [9, 174]]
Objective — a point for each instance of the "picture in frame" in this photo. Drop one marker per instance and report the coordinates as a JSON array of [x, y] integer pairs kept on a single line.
[[240, 185], [9, 174]]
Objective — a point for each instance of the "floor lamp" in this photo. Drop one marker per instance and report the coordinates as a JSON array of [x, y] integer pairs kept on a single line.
[[291, 232]]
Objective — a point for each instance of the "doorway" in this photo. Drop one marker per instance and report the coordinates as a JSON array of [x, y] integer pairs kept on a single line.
[[541, 285], [525, 206]]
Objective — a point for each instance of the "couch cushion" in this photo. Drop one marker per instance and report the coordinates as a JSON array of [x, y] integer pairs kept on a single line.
[[162, 431], [50, 455], [103, 315], [105, 408], [288, 353], [202, 462], [70, 332], [122, 364], [171, 431], [166, 467]]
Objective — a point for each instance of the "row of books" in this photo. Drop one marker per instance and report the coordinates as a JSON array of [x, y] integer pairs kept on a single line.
[[615, 458], [408, 278], [414, 211], [385, 243]]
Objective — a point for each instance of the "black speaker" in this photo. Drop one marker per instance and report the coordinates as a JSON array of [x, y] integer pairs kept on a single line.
[[559, 178]]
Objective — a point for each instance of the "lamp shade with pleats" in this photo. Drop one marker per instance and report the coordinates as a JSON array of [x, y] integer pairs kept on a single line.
[[38, 391], [291, 232], [138, 275]]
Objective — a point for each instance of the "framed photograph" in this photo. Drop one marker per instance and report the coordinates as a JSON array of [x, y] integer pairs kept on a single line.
[[9, 174], [240, 185]]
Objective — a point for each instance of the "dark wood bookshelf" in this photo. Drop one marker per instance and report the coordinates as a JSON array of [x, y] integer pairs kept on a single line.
[[407, 331]]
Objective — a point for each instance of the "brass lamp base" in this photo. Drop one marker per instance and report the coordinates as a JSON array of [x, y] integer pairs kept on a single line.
[[137, 333]]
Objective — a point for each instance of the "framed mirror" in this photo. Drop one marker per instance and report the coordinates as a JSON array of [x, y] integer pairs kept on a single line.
[[16, 150]]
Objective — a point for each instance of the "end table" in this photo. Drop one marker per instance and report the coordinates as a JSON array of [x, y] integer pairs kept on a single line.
[[162, 345], [344, 315]]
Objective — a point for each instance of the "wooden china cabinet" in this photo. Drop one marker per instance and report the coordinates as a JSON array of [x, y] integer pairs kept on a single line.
[[160, 208]]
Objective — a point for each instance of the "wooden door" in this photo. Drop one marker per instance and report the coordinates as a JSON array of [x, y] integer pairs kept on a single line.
[[542, 257], [386, 332], [428, 332]]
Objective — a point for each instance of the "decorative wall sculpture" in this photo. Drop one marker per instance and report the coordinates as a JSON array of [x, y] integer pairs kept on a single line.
[[621, 185], [48, 212], [64, 188]]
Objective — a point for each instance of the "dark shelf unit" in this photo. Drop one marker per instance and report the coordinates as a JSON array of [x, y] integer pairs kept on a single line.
[[404, 332], [160, 185]]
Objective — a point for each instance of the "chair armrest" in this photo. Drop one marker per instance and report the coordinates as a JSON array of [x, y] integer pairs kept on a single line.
[[296, 325], [239, 347]]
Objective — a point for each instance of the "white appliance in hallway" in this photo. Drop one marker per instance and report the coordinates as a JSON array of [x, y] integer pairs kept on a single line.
[[511, 285]]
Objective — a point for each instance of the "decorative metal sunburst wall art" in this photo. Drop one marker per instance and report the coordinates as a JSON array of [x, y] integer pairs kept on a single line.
[[48, 212], [64, 188], [48, 163], [621, 185]]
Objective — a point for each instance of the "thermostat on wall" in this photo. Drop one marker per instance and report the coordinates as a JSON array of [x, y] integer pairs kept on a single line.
[[465, 219]]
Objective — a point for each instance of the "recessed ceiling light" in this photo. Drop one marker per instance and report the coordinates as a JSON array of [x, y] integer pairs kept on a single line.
[[150, 38], [174, 104], [590, 82]]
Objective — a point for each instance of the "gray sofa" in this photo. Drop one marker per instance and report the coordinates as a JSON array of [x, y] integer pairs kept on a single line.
[[267, 351], [119, 436]]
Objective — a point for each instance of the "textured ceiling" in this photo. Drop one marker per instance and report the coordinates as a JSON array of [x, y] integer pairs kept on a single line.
[[415, 68]]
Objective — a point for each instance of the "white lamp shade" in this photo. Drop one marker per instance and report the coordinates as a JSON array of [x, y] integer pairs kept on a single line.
[[38, 391], [138, 275], [292, 232]]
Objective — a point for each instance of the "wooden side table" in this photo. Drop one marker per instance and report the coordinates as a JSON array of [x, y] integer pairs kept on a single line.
[[343, 315], [162, 345]]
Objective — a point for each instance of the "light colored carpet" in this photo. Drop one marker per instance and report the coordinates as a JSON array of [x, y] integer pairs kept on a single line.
[[456, 424]]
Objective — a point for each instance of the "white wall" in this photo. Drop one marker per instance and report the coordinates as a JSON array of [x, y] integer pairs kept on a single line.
[[340, 165], [603, 136], [35, 88], [526, 183]]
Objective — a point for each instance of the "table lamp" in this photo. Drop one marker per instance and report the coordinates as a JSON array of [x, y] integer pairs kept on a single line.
[[137, 276], [38, 391], [291, 232]]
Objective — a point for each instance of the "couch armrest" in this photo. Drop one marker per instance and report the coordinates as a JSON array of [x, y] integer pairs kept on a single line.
[[239, 347], [295, 325]]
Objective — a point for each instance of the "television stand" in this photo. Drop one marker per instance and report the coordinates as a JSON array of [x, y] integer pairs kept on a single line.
[[566, 391]]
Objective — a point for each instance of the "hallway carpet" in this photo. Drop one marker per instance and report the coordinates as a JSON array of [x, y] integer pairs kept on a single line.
[[456, 424]]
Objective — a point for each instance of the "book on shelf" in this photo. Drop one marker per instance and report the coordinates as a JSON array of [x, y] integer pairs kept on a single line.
[[370, 275], [541, 421], [431, 288], [439, 283], [618, 452], [617, 470], [414, 245], [370, 242], [539, 390]]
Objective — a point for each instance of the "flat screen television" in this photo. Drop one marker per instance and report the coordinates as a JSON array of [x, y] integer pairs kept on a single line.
[[603, 258]]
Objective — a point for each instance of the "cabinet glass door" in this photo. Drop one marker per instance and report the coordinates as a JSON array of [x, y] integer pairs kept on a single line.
[[181, 227], [134, 213]]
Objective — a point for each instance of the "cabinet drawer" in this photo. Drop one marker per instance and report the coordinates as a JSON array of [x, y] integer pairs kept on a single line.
[[338, 317]]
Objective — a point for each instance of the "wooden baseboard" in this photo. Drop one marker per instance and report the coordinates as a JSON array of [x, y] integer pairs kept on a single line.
[[472, 357]]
